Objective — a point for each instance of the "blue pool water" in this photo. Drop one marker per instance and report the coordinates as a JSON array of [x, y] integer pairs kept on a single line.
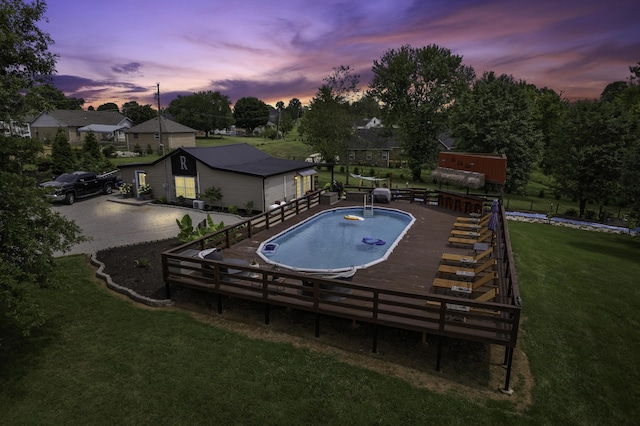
[[329, 242]]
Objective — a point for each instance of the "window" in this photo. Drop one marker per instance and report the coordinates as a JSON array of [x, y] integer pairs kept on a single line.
[[385, 155], [156, 135], [352, 155], [368, 155], [136, 135], [185, 186]]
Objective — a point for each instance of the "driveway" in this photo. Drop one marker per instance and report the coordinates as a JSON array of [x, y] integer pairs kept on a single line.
[[110, 222]]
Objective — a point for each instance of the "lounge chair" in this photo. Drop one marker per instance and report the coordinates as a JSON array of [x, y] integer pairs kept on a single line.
[[466, 272], [487, 279], [461, 241], [469, 226], [474, 220], [487, 296], [468, 233], [466, 259]]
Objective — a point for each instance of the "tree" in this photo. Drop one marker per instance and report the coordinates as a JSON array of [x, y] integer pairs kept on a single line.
[[327, 126], [109, 106], [588, 152], [46, 97], [366, 107], [497, 116], [204, 111], [63, 157], [294, 109], [250, 113], [24, 58], [415, 88], [279, 108], [91, 157], [138, 113], [631, 177]]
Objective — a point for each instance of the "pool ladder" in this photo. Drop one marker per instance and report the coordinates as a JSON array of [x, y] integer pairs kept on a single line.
[[368, 208]]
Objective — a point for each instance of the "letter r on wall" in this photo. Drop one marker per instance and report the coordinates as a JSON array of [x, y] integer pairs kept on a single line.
[[183, 163]]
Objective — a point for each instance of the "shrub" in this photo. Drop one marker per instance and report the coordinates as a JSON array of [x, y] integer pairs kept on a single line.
[[541, 193], [356, 171], [137, 149], [571, 212], [590, 214], [109, 151], [341, 169], [372, 172], [149, 150], [248, 207], [232, 209]]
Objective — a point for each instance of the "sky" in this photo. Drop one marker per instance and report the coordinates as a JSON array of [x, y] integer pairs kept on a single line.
[[120, 50]]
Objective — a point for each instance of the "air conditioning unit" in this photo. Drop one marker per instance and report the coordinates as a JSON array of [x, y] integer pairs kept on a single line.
[[198, 204]]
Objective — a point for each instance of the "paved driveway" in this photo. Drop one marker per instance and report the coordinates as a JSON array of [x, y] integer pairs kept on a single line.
[[111, 223]]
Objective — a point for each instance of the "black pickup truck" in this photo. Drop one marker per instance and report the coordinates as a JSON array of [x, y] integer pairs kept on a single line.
[[69, 186]]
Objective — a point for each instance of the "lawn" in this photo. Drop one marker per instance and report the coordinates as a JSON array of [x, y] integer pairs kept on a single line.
[[103, 360]]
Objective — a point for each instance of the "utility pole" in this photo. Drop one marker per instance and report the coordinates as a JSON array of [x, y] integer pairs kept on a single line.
[[159, 120]]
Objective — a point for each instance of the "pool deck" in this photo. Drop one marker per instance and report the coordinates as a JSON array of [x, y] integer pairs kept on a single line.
[[413, 264]]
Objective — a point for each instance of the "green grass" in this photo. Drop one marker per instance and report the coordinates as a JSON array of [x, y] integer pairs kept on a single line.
[[102, 360]]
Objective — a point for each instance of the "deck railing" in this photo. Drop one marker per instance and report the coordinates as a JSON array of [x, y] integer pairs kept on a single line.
[[490, 322]]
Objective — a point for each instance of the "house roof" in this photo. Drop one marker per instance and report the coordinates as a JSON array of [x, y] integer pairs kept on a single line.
[[80, 118], [101, 128], [238, 158], [168, 126], [370, 139]]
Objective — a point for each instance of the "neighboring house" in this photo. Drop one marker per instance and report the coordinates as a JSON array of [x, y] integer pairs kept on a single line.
[[374, 147], [241, 172], [46, 124], [174, 135], [367, 123]]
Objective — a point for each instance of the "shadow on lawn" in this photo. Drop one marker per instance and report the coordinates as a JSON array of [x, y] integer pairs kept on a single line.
[[621, 248]]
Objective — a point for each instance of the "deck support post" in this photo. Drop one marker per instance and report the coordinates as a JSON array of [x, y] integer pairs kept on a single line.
[[374, 349], [439, 356], [267, 311], [509, 358], [317, 324], [167, 290], [219, 303]]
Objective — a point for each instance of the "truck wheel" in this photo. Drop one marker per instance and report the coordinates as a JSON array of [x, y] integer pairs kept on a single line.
[[108, 188], [70, 198]]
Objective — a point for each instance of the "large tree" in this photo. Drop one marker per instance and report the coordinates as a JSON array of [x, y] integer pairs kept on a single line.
[[109, 106], [294, 109], [588, 152], [415, 88], [250, 113], [30, 232], [138, 113], [47, 97], [24, 57], [327, 125], [204, 111], [498, 116]]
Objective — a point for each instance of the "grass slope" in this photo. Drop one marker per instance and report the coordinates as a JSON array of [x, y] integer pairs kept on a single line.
[[101, 360]]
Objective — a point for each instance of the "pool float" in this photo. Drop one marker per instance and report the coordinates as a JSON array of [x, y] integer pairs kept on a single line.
[[353, 217], [373, 241]]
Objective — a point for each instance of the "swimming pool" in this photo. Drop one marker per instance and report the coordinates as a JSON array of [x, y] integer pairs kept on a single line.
[[338, 240]]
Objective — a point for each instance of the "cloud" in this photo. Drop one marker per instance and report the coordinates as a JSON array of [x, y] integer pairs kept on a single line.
[[130, 68], [92, 90]]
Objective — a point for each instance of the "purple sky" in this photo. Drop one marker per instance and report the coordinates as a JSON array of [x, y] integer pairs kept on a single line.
[[117, 50]]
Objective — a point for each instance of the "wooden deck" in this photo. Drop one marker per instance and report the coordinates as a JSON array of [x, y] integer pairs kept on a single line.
[[413, 264], [398, 292]]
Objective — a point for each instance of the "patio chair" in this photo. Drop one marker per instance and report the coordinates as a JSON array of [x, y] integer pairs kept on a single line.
[[466, 272], [474, 220], [466, 259], [461, 241], [487, 279], [469, 226], [487, 296]]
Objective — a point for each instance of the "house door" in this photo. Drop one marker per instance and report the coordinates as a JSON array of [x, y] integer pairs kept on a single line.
[[141, 179]]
